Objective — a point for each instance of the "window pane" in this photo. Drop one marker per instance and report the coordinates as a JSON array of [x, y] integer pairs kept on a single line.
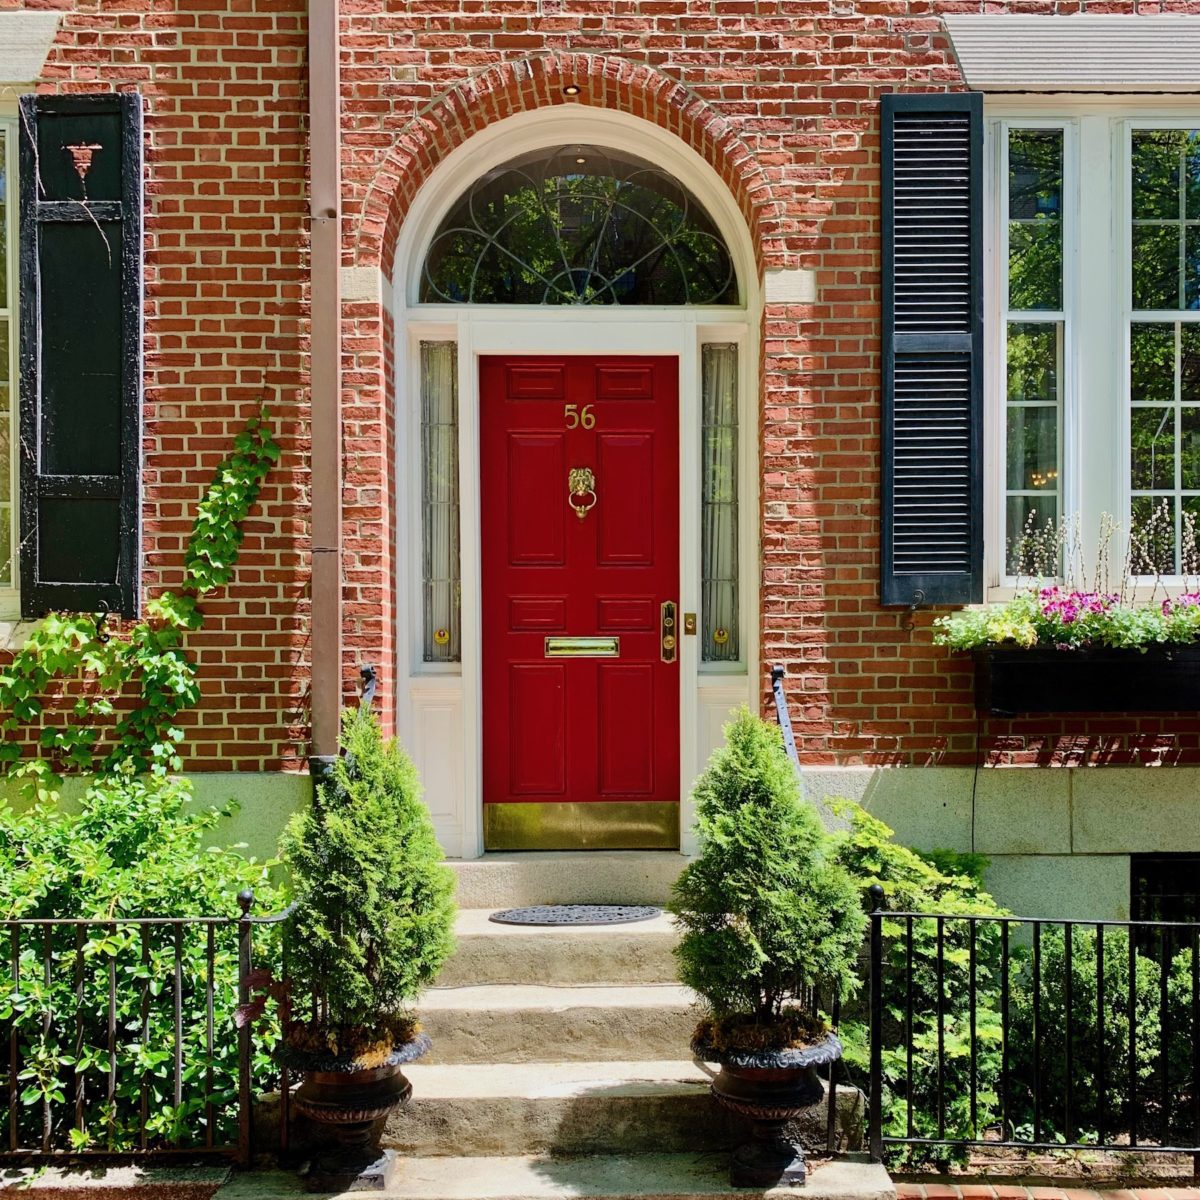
[[1033, 449], [1156, 266], [1152, 447], [1033, 363], [1035, 158], [1155, 164], [1034, 355], [439, 501], [1153, 535], [1152, 364], [719, 504], [1029, 526], [1189, 448]]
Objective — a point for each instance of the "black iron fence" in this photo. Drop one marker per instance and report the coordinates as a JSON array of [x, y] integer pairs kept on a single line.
[[121, 1036], [1033, 1034]]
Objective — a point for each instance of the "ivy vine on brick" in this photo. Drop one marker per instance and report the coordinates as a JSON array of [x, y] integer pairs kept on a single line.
[[145, 663]]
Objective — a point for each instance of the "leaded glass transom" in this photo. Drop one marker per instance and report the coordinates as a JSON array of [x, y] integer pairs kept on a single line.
[[578, 225]]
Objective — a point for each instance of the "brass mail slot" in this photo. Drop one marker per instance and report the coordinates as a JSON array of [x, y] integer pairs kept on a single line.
[[583, 647]]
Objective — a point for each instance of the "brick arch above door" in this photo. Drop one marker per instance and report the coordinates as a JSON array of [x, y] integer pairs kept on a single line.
[[608, 83]]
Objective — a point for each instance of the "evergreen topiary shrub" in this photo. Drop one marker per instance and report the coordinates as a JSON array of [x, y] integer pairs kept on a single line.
[[374, 913], [767, 915]]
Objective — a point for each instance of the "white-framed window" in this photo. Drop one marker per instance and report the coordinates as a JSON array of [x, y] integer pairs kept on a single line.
[[9, 474], [1093, 339]]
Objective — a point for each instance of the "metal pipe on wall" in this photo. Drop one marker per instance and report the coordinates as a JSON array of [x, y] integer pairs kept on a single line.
[[324, 120]]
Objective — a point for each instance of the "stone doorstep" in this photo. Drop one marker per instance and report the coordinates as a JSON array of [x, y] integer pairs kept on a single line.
[[563, 1108], [623, 1177], [514, 1023], [566, 877], [490, 953]]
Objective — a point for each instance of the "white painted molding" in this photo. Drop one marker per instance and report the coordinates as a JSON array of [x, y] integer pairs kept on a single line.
[[1080, 53], [361, 284], [795, 286], [26, 36]]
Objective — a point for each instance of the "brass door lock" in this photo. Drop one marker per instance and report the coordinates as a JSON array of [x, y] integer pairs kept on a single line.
[[668, 641]]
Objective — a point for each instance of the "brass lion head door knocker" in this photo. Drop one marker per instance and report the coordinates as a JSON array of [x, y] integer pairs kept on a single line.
[[581, 490]]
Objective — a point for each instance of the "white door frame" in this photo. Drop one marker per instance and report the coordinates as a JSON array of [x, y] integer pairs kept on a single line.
[[439, 706]]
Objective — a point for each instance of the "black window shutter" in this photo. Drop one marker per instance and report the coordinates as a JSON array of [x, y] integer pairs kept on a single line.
[[932, 204], [81, 352]]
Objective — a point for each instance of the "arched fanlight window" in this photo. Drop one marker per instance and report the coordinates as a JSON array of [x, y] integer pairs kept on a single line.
[[578, 225]]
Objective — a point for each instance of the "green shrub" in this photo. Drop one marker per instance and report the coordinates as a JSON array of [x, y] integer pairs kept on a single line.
[[375, 907], [1050, 1034], [135, 847], [941, 882], [766, 914]]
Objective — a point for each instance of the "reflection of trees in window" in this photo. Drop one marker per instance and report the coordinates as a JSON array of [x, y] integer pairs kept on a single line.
[[578, 225], [1035, 172], [1165, 194]]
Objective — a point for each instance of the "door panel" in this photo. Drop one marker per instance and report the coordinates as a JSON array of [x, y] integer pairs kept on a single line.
[[579, 750]]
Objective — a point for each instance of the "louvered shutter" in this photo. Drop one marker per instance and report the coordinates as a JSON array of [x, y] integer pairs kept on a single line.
[[932, 535], [81, 352]]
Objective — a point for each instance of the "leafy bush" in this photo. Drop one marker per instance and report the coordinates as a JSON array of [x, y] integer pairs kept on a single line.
[[1049, 1034], [766, 913], [109, 699], [136, 847], [942, 882], [375, 907]]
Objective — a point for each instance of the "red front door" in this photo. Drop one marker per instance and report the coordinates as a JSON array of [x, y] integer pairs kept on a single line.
[[580, 526]]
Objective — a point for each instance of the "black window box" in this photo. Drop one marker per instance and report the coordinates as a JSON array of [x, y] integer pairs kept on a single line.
[[1010, 680]]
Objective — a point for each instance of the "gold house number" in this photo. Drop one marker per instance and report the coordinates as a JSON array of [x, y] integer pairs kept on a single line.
[[577, 417]]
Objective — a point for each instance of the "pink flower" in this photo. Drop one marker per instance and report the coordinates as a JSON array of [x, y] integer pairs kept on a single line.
[[1186, 600], [1068, 607]]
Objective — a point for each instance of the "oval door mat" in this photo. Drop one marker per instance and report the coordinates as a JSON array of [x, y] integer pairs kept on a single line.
[[576, 914]]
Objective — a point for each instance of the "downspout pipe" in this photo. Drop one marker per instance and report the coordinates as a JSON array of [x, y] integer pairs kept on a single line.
[[325, 187]]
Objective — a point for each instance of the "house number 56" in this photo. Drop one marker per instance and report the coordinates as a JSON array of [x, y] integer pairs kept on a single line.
[[576, 416]]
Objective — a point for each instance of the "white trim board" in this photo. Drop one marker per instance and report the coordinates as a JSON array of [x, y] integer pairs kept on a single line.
[[439, 706]]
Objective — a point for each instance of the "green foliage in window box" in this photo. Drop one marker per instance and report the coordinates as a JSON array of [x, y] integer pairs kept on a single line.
[[374, 913], [766, 913]]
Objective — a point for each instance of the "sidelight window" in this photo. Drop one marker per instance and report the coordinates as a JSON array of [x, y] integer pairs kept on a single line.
[[439, 502], [719, 533]]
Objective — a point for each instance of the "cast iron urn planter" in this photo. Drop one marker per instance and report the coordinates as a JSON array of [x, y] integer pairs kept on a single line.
[[770, 1088], [348, 1100]]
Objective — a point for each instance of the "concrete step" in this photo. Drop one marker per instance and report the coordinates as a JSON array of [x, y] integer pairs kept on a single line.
[[577, 1108], [567, 877], [617, 1177], [492, 953], [511, 1023]]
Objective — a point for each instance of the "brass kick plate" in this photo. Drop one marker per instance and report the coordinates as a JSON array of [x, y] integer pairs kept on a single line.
[[583, 647]]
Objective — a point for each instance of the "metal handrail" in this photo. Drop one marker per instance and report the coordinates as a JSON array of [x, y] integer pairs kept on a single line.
[[781, 714]]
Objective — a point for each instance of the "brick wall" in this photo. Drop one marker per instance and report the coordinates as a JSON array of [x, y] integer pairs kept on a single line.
[[223, 82], [782, 99], [780, 96]]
